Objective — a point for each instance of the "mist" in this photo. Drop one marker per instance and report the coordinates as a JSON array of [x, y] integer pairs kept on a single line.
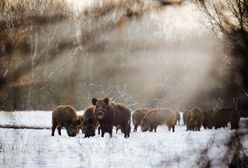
[[153, 58]]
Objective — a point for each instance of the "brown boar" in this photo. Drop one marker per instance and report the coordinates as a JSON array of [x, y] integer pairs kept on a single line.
[[225, 115], [65, 116], [111, 114], [194, 119], [185, 115], [208, 119], [90, 122], [137, 117], [157, 117]]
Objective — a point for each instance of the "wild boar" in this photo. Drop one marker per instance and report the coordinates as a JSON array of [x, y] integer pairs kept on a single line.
[[225, 115], [194, 119], [157, 117], [208, 119], [65, 116], [111, 114], [90, 122], [137, 117]]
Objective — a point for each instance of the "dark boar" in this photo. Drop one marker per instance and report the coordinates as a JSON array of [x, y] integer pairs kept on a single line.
[[90, 122], [225, 115], [111, 114], [208, 119], [157, 117], [194, 119], [65, 116], [137, 117]]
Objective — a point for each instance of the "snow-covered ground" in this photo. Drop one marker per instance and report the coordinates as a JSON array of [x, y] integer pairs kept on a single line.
[[28, 118], [37, 148]]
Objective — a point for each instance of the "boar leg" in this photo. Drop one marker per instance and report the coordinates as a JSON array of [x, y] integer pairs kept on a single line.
[[173, 128], [54, 127], [135, 128], [110, 130], [103, 132], [127, 131], [99, 130], [155, 129], [59, 129], [126, 135], [234, 125], [197, 128]]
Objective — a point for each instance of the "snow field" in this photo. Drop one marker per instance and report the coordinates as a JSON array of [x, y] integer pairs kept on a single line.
[[37, 148]]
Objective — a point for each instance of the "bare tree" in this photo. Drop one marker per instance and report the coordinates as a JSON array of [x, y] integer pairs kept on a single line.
[[229, 20]]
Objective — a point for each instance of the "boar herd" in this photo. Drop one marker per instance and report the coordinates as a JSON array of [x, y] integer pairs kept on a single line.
[[104, 115]]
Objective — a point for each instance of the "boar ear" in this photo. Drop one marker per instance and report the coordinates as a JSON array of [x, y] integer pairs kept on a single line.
[[94, 100], [106, 101]]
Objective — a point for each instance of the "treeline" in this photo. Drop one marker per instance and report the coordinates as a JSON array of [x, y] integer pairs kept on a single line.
[[44, 62], [21, 25]]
